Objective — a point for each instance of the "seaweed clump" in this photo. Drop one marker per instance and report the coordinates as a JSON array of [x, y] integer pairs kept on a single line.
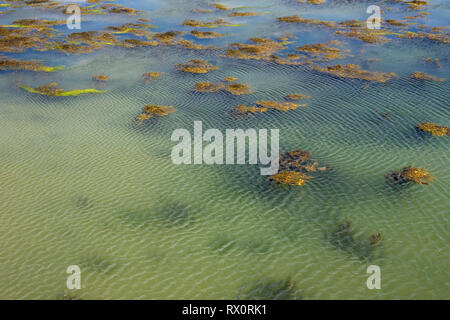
[[291, 178], [153, 110], [245, 14], [322, 51], [294, 167], [299, 19], [52, 89], [233, 88], [434, 129], [29, 65], [205, 34], [149, 76], [410, 174], [262, 48], [424, 76], [353, 71], [280, 106], [197, 66], [238, 88], [296, 96], [366, 35], [208, 86], [242, 109], [100, 78]]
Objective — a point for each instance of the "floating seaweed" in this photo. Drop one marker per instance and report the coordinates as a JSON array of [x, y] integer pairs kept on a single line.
[[322, 51], [295, 167], [434, 129], [29, 65], [291, 178], [208, 87], [242, 109], [152, 110], [121, 9], [197, 66], [245, 14], [100, 77], [149, 76], [423, 76], [168, 37], [51, 89], [238, 88], [190, 45], [280, 106], [262, 48], [296, 96], [209, 24], [206, 34], [438, 37], [221, 7], [353, 71], [433, 61], [269, 290], [409, 174], [299, 19], [132, 43], [366, 35], [230, 79], [233, 88]]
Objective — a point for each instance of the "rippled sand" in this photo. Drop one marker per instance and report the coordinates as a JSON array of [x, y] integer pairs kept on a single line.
[[82, 184]]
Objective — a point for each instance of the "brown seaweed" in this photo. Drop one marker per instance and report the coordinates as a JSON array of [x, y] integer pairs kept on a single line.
[[197, 66], [100, 78], [423, 76], [410, 174], [434, 129], [353, 71], [296, 96], [280, 106], [152, 110], [205, 34], [149, 76], [291, 178]]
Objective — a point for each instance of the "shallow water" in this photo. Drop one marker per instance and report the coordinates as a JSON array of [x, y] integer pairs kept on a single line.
[[82, 184]]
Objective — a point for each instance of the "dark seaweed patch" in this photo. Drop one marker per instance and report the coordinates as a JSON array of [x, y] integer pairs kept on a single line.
[[269, 290]]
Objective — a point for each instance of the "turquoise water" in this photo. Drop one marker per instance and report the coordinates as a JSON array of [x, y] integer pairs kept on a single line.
[[83, 184]]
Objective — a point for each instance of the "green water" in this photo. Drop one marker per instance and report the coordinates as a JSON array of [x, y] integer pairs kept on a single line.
[[82, 184]]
